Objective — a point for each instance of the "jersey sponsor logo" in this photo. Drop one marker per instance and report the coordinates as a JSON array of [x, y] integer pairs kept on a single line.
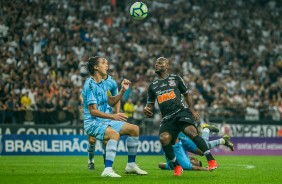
[[172, 83], [155, 82], [163, 85], [166, 96]]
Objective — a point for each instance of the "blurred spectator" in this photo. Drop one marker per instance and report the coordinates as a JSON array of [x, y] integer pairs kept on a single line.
[[62, 111], [26, 101], [252, 113], [128, 109], [225, 129], [279, 132], [233, 58], [3, 108], [49, 110], [72, 106], [138, 113]]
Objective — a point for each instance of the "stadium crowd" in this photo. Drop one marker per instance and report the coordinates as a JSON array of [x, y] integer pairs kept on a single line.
[[228, 52]]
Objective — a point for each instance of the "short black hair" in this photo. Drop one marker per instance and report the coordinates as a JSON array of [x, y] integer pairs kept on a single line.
[[163, 59], [92, 61]]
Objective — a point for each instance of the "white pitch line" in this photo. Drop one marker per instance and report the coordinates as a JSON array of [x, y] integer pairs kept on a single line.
[[238, 165]]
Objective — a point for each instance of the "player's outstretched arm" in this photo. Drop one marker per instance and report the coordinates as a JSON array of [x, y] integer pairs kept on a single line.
[[113, 100]]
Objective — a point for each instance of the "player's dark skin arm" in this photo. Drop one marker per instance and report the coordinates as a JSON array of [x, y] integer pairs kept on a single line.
[[189, 100], [148, 110], [95, 112]]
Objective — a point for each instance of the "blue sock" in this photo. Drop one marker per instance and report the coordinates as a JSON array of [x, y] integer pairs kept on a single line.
[[132, 145], [91, 150], [111, 149]]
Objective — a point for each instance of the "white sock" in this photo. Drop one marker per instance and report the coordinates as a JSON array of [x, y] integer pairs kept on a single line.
[[131, 164]]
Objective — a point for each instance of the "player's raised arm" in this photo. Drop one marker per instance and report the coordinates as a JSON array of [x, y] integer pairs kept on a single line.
[[113, 100]]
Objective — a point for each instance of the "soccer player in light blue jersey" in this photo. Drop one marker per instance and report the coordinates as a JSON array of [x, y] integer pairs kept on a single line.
[[112, 90], [105, 126], [185, 145]]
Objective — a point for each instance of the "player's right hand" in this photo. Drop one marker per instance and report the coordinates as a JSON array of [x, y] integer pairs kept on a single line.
[[125, 84], [120, 117], [148, 112]]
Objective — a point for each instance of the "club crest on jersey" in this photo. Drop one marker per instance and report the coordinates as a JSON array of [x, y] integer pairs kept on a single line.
[[172, 83]]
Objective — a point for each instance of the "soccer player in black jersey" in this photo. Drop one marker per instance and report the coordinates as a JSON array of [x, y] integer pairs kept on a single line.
[[168, 90]]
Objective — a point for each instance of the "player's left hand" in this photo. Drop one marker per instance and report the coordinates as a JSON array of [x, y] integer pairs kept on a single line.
[[125, 84]]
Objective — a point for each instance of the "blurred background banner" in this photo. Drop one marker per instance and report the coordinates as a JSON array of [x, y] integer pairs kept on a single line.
[[148, 145], [41, 130], [252, 146], [234, 130], [69, 145]]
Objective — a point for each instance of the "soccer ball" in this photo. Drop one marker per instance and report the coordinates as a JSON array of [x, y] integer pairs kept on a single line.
[[138, 11]]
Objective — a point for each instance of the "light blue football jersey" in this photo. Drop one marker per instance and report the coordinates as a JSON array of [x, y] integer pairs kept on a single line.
[[94, 93]]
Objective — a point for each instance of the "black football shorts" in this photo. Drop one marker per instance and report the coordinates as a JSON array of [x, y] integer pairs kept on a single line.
[[177, 123]]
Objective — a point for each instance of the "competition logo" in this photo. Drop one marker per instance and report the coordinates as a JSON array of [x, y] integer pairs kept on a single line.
[[166, 96], [172, 83]]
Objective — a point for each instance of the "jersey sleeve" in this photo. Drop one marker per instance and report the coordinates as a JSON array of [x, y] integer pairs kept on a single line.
[[181, 86], [151, 97], [89, 96], [114, 90]]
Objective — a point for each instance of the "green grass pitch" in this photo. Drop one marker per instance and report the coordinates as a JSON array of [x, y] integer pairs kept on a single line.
[[73, 169]]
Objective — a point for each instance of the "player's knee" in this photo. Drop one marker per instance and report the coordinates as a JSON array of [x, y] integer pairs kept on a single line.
[[134, 130], [165, 138], [115, 136], [190, 131], [111, 134], [91, 140]]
